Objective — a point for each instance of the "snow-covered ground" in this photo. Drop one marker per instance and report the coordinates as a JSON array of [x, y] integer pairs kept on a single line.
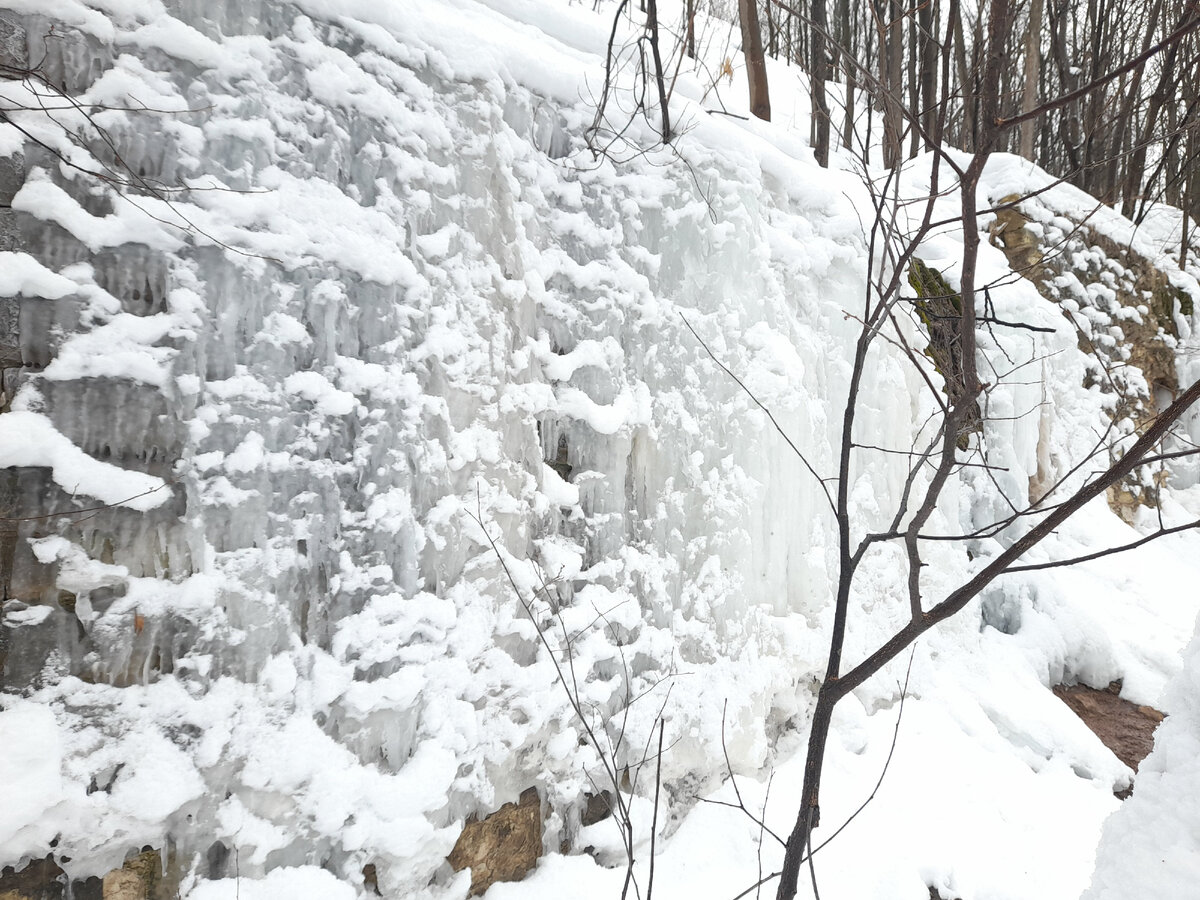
[[410, 315]]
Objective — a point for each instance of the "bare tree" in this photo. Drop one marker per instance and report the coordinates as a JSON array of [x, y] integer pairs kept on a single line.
[[893, 253], [965, 90], [756, 66], [1033, 62], [818, 75], [640, 59]]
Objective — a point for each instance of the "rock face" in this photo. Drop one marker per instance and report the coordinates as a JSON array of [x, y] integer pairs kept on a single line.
[[42, 879], [503, 847], [1125, 728], [143, 877], [1125, 309], [315, 520], [938, 306], [123, 422]]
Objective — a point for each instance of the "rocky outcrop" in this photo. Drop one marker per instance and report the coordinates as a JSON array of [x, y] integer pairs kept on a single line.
[[41, 879], [939, 308], [114, 419], [1125, 728], [1124, 309], [505, 846], [144, 876]]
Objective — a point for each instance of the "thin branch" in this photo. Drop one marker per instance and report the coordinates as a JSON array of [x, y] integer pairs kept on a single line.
[[761, 406], [654, 818], [89, 509], [1132, 545], [1186, 28]]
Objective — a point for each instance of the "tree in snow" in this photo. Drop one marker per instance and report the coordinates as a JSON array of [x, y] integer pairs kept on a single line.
[[953, 318]]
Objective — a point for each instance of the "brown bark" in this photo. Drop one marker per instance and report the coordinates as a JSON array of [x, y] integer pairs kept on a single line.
[[818, 75], [690, 43], [1033, 64], [756, 67], [929, 20], [659, 79], [889, 24]]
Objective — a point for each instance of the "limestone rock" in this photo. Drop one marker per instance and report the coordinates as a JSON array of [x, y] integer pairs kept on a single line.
[[1140, 304], [1125, 728], [124, 884], [505, 846], [1018, 242], [597, 808], [42, 879]]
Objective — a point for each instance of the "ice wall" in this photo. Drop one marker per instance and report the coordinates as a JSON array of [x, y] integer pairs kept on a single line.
[[395, 301], [262, 433]]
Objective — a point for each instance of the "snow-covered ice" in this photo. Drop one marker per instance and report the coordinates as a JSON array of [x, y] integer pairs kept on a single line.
[[407, 339]]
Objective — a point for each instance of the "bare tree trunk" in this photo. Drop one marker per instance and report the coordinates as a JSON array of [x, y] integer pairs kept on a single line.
[[869, 36], [890, 25], [1125, 122], [913, 58], [1033, 65], [848, 121], [966, 83], [1185, 207], [1162, 93], [690, 44], [929, 19], [772, 32], [1192, 171], [791, 39], [847, 68], [894, 130], [818, 75], [756, 67], [1068, 80], [659, 80], [1173, 186]]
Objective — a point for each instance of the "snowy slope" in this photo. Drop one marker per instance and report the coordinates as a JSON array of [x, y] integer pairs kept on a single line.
[[1152, 844], [406, 302]]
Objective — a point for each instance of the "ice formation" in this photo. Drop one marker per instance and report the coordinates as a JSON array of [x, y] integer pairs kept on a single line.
[[296, 428]]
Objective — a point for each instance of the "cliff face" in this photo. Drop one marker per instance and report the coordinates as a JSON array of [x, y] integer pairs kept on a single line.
[[353, 429], [1130, 307], [384, 306]]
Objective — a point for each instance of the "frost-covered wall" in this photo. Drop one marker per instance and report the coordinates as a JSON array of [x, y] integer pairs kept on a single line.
[[343, 303], [389, 306]]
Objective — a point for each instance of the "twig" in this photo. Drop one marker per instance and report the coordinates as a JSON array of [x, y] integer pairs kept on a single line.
[[1132, 545], [654, 818], [89, 509], [761, 406]]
